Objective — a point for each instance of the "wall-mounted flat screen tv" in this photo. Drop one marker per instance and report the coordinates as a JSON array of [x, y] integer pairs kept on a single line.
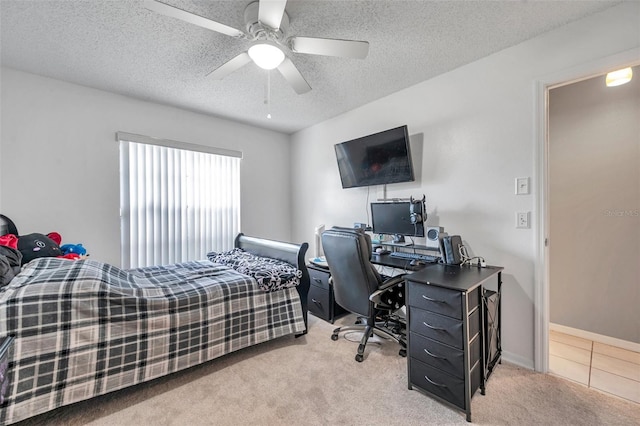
[[377, 159]]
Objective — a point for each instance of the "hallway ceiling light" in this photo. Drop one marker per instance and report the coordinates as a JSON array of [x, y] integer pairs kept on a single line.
[[616, 78], [266, 56]]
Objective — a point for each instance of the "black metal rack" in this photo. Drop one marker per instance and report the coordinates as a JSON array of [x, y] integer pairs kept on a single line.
[[493, 346]]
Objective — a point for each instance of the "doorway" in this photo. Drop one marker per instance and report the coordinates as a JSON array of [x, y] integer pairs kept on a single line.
[[541, 181], [589, 207]]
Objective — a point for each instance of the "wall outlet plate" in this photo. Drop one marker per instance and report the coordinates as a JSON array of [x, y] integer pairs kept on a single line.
[[522, 220]]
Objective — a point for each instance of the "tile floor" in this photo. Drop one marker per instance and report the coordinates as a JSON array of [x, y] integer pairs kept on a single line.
[[610, 369]]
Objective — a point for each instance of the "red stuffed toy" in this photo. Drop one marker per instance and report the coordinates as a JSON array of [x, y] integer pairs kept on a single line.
[[9, 240]]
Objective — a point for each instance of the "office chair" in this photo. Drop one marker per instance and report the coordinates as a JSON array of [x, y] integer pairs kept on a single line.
[[360, 289]]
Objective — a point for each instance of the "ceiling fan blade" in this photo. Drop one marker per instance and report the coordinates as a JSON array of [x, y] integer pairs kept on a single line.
[[293, 76], [192, 18], [330, 47], [229, 67], [270, 12]]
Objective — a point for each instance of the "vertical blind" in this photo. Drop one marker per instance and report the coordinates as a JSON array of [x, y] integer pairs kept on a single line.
[[176, 204]]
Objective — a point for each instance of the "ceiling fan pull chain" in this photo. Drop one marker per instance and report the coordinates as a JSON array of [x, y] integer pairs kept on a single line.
[[268, 100]]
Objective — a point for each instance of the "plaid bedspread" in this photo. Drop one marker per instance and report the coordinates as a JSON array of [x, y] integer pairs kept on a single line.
[[84, 328]]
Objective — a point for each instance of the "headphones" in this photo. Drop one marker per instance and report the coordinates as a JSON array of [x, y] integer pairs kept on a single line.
[[416, 210]]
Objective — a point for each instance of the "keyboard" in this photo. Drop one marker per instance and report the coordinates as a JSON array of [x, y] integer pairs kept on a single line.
[[414, 256]]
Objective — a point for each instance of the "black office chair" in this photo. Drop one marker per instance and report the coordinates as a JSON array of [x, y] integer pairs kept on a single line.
[[360, 289]]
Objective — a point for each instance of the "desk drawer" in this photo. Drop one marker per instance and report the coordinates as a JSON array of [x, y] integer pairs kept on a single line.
[[443, 357], [320, 302], [319, 278], [435, 299], [441, 300], [437, 327], [442, 384], [438, 383], [441, 328], [437, 355]]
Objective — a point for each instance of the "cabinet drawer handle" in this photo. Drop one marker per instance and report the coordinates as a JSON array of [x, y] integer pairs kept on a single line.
[[433, 327], [318, 280], [317, 302], [433, 355], [434, 383], [432, 300]]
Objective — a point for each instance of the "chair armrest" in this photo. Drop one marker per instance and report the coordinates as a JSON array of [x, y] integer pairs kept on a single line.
[[391, 282], [376, 296]]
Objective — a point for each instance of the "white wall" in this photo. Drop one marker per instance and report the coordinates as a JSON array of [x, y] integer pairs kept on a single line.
[[477, 125], [594, 208], [59, 166]]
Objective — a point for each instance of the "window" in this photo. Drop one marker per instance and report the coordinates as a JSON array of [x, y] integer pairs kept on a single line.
[[177, 201]]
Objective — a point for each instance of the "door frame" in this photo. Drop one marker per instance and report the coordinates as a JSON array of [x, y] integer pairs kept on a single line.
[[541, 129]]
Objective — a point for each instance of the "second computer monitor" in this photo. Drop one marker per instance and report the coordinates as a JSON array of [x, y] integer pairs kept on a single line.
[[395, 219]]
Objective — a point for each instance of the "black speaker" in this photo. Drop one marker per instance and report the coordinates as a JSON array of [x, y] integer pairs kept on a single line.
[[451, 246]]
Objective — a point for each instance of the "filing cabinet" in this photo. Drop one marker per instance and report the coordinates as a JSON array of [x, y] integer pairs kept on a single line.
[[321, 301], [446, 345]]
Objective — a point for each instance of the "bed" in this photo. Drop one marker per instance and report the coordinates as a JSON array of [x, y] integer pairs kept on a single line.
[[84, 328]]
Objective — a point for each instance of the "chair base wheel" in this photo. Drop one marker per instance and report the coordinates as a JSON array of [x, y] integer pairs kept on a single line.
[[359, 357], [334, 337], [403, 353]]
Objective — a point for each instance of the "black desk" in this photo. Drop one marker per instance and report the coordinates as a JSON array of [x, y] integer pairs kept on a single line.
[[449, 335]]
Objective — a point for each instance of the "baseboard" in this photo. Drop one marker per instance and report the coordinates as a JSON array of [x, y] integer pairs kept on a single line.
[[518, 360], [600, 338]]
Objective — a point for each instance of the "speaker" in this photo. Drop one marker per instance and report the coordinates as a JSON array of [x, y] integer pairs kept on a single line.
[[451, 246], [318, 240], [433, 236]]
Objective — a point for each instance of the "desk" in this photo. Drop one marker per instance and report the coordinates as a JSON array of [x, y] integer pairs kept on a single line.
[[448, 353]]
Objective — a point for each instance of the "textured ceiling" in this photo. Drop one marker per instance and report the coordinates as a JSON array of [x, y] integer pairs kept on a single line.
[[121, 47]]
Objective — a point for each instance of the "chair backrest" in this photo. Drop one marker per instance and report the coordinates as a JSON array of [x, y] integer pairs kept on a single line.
[[348, 254]]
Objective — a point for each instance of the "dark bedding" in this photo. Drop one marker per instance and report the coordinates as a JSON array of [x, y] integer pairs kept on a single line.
[[85, 328], [271, 274]]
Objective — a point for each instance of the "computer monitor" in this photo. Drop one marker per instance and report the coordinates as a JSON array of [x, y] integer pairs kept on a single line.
[[395, 219]]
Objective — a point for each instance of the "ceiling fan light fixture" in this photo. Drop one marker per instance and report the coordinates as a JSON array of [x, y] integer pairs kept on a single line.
[[619, 77], [266, 56]]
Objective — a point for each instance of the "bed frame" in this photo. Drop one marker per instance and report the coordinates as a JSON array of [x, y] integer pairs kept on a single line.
[[287, 252]]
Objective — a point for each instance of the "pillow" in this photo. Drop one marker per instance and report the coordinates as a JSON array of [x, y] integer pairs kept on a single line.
[[271, 274], [37, 245]]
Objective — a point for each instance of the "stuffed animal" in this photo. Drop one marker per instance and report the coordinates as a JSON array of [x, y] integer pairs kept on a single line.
[[73, 248], [37, 245], [32, 246]]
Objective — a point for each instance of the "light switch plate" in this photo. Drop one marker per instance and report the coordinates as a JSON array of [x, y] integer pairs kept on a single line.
[[522, 186]]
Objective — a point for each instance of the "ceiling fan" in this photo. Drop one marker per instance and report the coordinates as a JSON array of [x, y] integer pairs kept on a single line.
[[266, 26]]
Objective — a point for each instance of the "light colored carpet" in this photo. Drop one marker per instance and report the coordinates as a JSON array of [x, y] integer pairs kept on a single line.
[[316, 381]]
